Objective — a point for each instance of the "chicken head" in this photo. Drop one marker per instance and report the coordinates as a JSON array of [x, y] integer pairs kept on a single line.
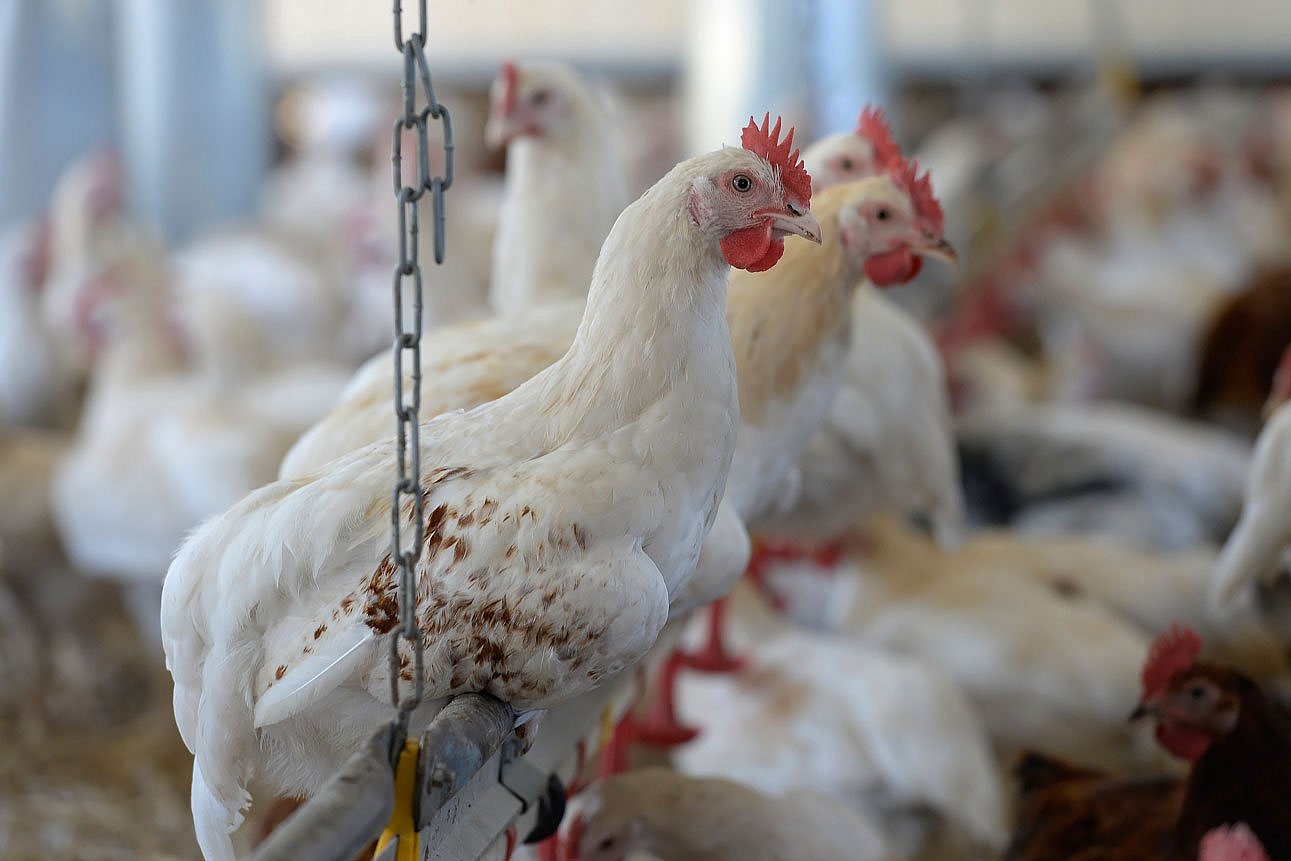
[[750, 206]]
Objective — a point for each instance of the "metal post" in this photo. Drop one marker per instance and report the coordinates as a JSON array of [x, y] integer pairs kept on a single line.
[[55, 95], [815, 62], [194, 111], [849, 66], [745, 57]]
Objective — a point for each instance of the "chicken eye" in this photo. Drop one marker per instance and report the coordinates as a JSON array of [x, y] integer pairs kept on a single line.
[[882, 214], [607, 843], [741, 183], [1196, 692], [845, 163], [539, 98]]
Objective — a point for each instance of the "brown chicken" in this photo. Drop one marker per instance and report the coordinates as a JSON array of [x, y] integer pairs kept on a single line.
[[1079, 814], [1239, 744], [1242, 349]]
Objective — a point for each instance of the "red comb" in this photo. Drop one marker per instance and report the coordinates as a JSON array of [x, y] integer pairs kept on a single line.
[[873, 126], [1171, 652], [510, 86], [765, 142], [926, 206]]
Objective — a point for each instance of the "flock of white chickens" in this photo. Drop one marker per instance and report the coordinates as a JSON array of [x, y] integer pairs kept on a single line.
[[650, 399]]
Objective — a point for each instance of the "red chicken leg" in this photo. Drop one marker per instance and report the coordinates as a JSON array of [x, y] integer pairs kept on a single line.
[[551, 849], [661, 728], [714, 657], [827, 556], [614, 756]]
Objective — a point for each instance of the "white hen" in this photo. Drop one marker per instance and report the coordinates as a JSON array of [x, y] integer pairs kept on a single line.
[[1046, 672], [1149, 590], [38, 381], [1122, 472], [667, 815], [561, 158], [561, 517], [160, 448], [845, 156], [825, 713], [89, 232], [285, 288], [886, 443]]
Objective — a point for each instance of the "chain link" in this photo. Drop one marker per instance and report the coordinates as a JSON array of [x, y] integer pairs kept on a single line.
[[407, 341]]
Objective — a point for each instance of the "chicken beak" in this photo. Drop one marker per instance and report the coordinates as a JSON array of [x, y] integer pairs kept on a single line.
[[938, 248], [795, 223], [501, 129], [1141, 711]]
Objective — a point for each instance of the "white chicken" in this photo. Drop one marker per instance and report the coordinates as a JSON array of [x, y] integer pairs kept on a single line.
[[846, 156], [1263, 534], [86, 232], [891, 735], [791, 331], [1116, 470], [285, 286], [1175, 237], [548, 118], [560, 148], [326, 120], [39, 385], [89, 232], [656, 813], [1046, 671], [286, 289], [887, 443], [160, 447], [561, 517], [1150, 590], [1135, 306]]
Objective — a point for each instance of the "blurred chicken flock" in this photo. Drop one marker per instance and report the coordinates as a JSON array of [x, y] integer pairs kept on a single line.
[[1033, 467]]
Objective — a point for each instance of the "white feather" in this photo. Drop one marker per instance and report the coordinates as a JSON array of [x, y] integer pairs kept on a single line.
[[1264, 531], [315, 676]]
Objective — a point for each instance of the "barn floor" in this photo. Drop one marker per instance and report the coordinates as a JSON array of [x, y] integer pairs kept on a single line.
[[91, 766]]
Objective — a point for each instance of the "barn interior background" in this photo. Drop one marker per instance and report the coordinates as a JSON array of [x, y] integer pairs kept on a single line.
[[1115, 176]]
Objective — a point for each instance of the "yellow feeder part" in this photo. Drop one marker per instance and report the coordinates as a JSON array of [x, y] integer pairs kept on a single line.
[[607, 727], [402, 827]]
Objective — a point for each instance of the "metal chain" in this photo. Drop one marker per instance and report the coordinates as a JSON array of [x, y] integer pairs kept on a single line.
[[407, 340]]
